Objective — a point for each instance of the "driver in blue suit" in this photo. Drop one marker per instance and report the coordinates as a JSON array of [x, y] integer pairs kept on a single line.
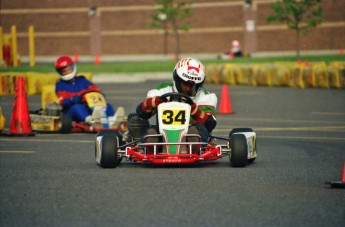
[[69, 90]]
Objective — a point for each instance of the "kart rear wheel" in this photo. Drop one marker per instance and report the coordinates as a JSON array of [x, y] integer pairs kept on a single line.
[[239, 152], [66, 123], [108, 152]]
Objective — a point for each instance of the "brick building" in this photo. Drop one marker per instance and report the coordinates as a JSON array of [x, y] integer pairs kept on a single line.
[[121, 27]]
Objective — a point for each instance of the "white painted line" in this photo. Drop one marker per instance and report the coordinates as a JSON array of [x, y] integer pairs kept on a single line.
[[329, 113], [18, 152], [49, 140]]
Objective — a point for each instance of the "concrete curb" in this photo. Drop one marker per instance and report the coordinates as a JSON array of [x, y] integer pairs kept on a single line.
[[129, 77]]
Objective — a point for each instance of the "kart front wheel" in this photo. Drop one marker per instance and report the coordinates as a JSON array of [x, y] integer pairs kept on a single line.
[[114, 133], [65, 123], [107, 156], [239, 152]]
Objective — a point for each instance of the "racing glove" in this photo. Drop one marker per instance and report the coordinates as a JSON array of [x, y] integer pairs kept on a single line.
[[199, 115], [76, 99], [150, 104]]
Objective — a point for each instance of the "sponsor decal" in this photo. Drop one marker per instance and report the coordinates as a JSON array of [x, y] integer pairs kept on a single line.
[[41, 119], [194, 77], [251, 146], [172, 159]]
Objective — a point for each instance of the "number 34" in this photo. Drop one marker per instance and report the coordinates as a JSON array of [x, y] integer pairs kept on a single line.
[[174, 117]]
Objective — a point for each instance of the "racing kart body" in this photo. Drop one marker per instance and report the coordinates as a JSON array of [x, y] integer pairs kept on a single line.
[[51, 119], [173, 118]]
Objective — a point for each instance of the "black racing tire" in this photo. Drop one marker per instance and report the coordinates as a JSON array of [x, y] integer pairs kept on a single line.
[[239, 152], [108, 155], [250, 161], [111, 132], [115, 133], [66, 123], [236, 130], [108, 132]]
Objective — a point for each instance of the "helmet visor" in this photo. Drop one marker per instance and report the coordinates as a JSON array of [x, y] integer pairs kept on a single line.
[[186, 87], [66, 70]]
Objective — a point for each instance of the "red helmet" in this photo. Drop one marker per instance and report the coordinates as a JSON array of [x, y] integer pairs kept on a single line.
[[65, 66]]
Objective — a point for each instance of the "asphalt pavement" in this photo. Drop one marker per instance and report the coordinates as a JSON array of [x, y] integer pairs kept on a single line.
[[53, 179]]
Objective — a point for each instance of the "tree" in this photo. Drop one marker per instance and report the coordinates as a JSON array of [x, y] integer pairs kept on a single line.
[[299, 15], [172, 15]]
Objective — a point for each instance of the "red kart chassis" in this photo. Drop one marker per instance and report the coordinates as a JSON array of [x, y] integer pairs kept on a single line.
[[82, 127], [196, 151], [210, 153], [240, 147]]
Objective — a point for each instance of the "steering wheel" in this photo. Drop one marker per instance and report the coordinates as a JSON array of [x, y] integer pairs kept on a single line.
[[174, 96]]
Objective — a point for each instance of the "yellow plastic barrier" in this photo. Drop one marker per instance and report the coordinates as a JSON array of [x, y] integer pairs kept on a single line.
[[340, 64], [243, 74], [336, 72], [8, 82], [209, 72], [2, 121], [228, 76], [37, 80], [48, 95], [87, 75], [291, 74], [335, 77], [33, 81], [213, 73], [260, 75], [321, 76], [295, 76], [269, 75]]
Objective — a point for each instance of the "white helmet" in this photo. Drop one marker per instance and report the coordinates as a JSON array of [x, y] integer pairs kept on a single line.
[[191, 71]]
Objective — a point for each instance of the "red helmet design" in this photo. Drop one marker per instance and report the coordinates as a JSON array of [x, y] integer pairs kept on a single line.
[[62, 63]]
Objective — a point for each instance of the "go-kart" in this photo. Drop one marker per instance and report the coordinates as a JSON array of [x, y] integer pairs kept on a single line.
[[51, 119], [173, 116]]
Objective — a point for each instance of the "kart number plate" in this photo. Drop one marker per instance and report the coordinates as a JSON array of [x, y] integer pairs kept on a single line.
[[173, 117], [95, 99]]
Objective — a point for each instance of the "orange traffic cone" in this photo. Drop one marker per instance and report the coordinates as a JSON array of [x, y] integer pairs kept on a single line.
[[76, 57], [225, 103], [97, 59], [338, 184], [20, 120]]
